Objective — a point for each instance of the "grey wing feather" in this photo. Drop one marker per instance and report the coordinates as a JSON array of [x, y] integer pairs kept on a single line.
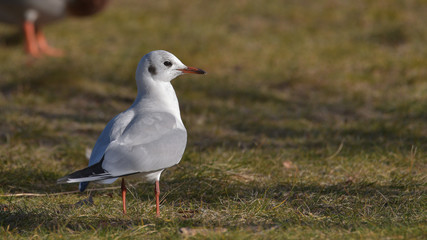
[[152, 141]]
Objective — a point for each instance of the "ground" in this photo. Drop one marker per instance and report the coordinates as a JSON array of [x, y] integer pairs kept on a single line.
[[310, 124]]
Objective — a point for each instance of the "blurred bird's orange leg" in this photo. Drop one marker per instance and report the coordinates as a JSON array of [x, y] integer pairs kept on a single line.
[[124, 195], [157, 193], [30, 39], [44, 47]]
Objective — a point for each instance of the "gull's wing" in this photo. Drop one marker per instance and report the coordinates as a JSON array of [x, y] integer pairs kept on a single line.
[[151, 141]]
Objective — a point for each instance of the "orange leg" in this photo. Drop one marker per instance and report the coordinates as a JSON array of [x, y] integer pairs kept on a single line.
[[44, 47], [157, 192], [124, 195], [30, 39]]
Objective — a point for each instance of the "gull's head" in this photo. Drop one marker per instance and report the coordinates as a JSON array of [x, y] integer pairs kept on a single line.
[[163, 66]]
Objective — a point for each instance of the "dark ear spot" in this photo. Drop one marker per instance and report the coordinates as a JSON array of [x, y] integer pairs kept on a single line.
[[152, 70]]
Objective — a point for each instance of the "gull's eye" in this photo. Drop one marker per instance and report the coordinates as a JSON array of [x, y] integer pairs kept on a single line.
[[167, 63]]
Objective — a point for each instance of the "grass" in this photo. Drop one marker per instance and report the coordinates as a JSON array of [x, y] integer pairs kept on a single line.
[[311, 122]]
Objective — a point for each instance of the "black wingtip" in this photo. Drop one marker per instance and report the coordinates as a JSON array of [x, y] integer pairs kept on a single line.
[[83, 173]]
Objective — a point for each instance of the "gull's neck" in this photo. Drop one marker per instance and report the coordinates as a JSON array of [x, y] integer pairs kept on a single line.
[[156, 96]]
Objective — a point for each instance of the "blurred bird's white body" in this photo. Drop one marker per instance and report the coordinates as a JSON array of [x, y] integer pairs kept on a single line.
[[44, 11], [31, 15]]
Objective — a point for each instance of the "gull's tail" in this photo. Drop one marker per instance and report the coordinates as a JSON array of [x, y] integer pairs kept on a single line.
[[89, 174]]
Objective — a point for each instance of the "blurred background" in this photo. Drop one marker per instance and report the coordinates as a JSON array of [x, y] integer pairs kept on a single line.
[[313, 93]]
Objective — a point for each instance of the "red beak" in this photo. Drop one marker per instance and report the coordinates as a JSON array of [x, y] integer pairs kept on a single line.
[[192, 70]]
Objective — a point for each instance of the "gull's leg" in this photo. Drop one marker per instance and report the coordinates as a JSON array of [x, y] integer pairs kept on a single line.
[[124, 195], [157, 192], [44, 47], [30, 38]]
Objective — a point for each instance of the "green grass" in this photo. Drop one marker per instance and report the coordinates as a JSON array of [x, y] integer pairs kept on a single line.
[[311, 122]]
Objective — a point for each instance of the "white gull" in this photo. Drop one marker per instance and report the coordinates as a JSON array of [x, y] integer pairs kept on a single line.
[[146, 138]]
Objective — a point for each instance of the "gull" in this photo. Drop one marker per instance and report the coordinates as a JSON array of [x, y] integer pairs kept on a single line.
[[145, 139]]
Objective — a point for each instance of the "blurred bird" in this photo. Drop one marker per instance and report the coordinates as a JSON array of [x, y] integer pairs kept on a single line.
[[146, 138], [31, 15]]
